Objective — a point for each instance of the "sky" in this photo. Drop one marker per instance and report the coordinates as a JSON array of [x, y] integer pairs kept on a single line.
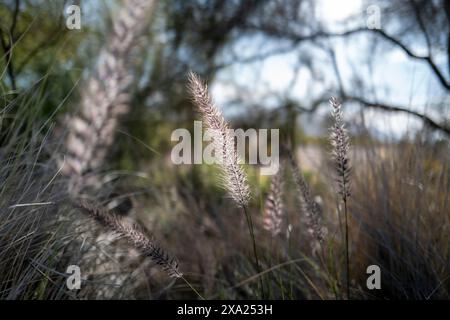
[[397, 79]]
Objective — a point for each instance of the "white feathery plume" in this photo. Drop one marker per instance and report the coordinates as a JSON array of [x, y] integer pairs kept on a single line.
[[134, 234], [234, 177], [273, 209], [104, 98], [341, 146], [309, 206]]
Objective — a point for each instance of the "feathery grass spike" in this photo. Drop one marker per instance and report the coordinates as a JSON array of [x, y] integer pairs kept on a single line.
[[104, 98], [341, 146], [309, 206], [273, 210], [233, 176], [135, 235]]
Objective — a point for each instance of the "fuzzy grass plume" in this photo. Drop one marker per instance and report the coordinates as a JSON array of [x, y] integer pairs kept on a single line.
[[234, 177], [104, 98], [135, 235], [340, 149], [273, 209], [309, 206]]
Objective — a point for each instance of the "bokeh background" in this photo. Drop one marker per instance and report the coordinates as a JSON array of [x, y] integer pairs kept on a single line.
[[268, 64]]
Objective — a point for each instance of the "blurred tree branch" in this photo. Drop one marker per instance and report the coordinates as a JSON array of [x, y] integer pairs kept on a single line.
[[8, 45], [48, 42], [385, 107], [379, 32], [427, 120], [420, 11]]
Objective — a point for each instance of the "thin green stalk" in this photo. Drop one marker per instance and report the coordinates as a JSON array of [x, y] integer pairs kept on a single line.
[[193, 289], [252, 235], [347, 260]]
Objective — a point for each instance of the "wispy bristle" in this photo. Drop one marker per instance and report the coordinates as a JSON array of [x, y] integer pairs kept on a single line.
[[234, 177], [273, 209], [341, 146], [309, 206], [134, 234]]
